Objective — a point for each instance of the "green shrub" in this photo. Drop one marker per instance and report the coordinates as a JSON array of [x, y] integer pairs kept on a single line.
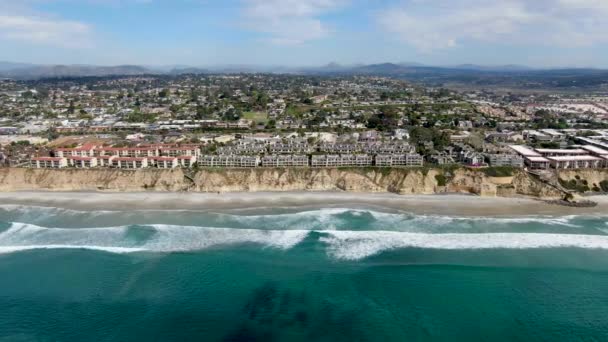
[[576, 185], [441, 180], [499, 171]]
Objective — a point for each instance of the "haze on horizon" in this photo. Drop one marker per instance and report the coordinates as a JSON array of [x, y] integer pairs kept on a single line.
[[541, 33]]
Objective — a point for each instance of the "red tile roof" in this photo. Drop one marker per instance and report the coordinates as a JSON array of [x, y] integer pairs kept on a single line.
[[130, 159], [81, 158], [47, 159], [163, 158]]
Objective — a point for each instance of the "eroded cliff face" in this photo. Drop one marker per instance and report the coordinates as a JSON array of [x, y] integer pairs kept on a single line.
[[401, 181], [355, 180], [531, 186], [593, 178]]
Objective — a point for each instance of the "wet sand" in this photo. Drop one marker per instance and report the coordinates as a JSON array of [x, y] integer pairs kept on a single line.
[[459, 205]]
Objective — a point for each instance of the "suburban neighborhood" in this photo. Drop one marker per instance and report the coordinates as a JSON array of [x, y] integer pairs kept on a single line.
[[272, 120]]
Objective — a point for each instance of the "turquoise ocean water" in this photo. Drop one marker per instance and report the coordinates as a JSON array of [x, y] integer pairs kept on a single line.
[[308, 274]]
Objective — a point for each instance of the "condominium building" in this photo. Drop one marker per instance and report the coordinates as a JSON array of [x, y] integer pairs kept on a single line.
[[341, 160], [513, 160], [387, 160], [130, 163], [82, 162], [163, 162], [228, 161], [285, 161], [48, 162], [576, 162], [186, 161]]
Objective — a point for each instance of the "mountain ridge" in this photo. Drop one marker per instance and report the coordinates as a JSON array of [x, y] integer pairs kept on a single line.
[[26, 71]]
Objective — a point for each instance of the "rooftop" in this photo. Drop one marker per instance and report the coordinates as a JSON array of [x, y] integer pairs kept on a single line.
[[575, 158], [594, 149], [525, 151], [561, 151], [47, 159], [130, 159], [538, 159], [81, 158]]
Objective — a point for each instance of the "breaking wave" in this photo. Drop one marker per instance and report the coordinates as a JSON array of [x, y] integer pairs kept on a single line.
[[284, 218], [344, 245], [349, 245], [130, 239], [346, 233]]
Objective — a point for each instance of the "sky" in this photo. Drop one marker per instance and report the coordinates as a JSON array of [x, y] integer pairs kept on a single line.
[[539, 33]]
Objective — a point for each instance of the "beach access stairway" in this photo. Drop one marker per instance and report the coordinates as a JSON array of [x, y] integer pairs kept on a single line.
[[190, 180], [551, 179]]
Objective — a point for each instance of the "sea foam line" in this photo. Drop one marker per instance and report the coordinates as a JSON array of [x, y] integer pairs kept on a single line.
[[115, 250], [349, 245], [317, 219], [158, 238]]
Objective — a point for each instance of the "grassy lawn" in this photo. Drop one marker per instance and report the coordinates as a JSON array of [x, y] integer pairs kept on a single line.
[[258, 117]]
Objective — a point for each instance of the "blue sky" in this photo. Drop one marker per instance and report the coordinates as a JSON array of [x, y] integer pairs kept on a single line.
[[542, 33]]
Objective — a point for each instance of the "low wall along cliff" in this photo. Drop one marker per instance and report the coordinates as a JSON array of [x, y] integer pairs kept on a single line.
[[400, 181]]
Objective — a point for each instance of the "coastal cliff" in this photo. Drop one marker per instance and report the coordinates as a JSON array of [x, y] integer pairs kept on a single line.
[[401, 181]]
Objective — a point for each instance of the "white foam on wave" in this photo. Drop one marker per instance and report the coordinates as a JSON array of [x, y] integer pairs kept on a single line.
[[22, 208], [115, 250], [385, 220], [176, 238], [351, 245], [321, 219], [316, 219], [309, 219], [546, 220], [163, 238]]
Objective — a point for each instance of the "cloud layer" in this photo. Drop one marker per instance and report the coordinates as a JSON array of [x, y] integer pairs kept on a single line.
[[348, 31], [438, 24], [40, 30], [19, 22], [290, 22]]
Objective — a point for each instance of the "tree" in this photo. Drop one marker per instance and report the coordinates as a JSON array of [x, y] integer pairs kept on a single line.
[[374, 122], [440, 139], [386, 120], [272, 124], [174, 109], [232, 114], [419, 135], [203, 112], [71, 107]]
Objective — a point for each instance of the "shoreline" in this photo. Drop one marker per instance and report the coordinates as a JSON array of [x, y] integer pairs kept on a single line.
[[443, 205]]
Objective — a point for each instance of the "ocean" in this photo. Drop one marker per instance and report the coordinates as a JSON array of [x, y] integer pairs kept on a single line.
[[339, 273]]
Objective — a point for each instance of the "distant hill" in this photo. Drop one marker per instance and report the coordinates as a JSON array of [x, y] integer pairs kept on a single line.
[[188, 70], [55, 71], [508, 67], [6, 66], [464, 75], [384, 68]]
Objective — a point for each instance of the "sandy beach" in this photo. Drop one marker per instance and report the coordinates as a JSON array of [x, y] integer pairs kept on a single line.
[[459, 205]]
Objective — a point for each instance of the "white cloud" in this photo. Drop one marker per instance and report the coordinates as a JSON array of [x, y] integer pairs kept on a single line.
[[19, 22], [439, 24], [289, 22], [289, 8], [40, 30], [600, 5]]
